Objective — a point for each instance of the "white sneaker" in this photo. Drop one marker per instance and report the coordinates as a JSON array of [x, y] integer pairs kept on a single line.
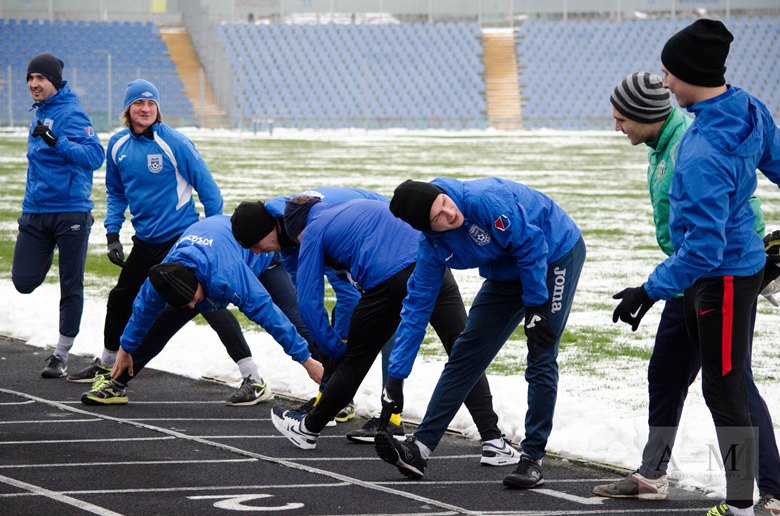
[[499, 452], [289, 422]]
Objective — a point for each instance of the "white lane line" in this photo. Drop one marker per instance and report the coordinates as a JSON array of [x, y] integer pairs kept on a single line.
[[58, 497], [73, 441], [266, 458], [146, 402], [600, 511], [591, 500], [122, 463], [16, 403], [47, 421], [242, 487]]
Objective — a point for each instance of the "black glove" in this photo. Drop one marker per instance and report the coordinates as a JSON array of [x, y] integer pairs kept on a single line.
[[115, 252], [771, 273], [772, 246], [537, 331], [392, 400], [45, 133], [634, 305]]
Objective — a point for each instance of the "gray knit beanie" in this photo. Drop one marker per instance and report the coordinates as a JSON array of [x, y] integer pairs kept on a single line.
[[641, 97]]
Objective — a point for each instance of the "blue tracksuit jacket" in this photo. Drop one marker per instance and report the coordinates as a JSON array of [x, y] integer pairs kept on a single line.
[[361, 238], [710, 217], [228, 274], [346, 296], [59, 178], [510, 232], [155, 179]]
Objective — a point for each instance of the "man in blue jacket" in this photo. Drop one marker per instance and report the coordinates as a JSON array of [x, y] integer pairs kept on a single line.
[[203, 272], [531, 254], [718, 260], [376, 252], [62, 152], [152, 170], [261, 226], [643, 110]]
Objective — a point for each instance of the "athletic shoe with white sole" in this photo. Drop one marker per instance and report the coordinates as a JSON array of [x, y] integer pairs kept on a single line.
[[767, 505], [635, 486], [367, 432], [251, 392], [404, 455], [499, 453], [87, 375], [290, 424], [56, 367]]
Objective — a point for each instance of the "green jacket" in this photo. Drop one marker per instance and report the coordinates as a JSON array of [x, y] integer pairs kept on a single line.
[[661, 157]]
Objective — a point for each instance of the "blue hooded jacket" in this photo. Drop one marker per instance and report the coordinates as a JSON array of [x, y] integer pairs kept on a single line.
[[155, 179], [710, 217], [362, 239], [510, 232], [347, 296], [228, 274], [59, 178]]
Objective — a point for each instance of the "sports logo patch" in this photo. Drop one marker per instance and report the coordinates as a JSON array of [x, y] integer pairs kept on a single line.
[[154, 162], [502, 223], [147, 94], [89, 131], [479, 235]]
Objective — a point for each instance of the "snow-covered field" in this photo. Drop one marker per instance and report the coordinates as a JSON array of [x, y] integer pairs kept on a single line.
[[597, 177]]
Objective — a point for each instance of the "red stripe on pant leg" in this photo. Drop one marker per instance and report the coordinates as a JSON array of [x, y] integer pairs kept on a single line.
[[728, 324]]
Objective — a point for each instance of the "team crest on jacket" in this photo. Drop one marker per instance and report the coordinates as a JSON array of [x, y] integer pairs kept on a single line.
[[154, 162], [479, 235], [502, 223]]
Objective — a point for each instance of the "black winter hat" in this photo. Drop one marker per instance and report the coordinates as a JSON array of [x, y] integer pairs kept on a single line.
[[412, 201], [174, 282], [697, 54], [295, 216], [250, 223], [47, 65]]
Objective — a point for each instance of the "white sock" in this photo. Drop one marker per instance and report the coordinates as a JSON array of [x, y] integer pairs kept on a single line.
[[248, 367], [63, 347], [425, 452], [747, 511], [108, 358], [498, 442]]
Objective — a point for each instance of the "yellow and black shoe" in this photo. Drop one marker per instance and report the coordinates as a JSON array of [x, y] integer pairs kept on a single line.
[[105, 391]]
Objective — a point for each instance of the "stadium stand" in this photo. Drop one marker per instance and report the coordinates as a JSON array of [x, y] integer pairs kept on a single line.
[[135, 50], [416, 75], [568, 69]]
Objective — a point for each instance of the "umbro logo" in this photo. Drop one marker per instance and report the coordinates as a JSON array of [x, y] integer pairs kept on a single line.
[[75, 227]]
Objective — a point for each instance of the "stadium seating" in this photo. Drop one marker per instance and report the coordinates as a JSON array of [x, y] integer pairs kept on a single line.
[[135, 50], [415, 75], [568, 69]]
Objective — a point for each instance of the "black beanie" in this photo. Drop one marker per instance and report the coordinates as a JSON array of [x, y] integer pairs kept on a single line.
[[174, 282], [412, 201], [251, 222], [295, 216], [697, 54], [47, 65]]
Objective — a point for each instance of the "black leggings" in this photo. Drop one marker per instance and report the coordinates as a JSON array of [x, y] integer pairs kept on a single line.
[[719, 315], [373, 322]]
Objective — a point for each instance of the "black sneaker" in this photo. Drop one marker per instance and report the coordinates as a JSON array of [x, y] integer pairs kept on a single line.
[[105, 391], [55, 367], [528, 474], [87, 375], [367, 432], [307, 406], [404, 455], [251, 392]]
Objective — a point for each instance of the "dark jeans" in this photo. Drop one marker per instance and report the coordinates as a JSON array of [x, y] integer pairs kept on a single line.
[[39, 234], [495, 313], [719, 314], [675, 362], [374, 321]]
